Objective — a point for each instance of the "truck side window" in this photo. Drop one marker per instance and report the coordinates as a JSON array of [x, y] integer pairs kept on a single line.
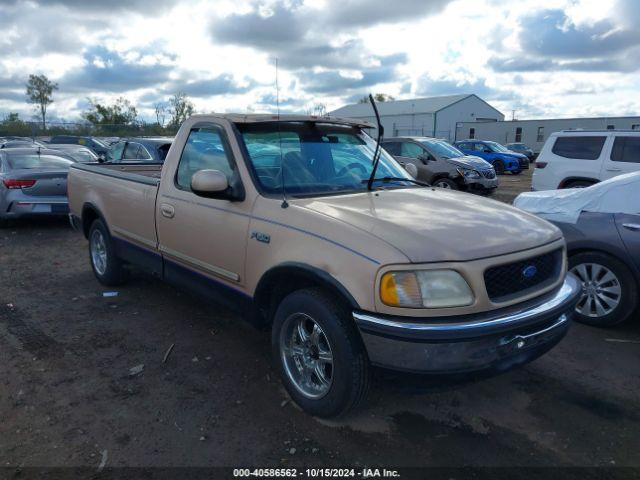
[[204, 150]]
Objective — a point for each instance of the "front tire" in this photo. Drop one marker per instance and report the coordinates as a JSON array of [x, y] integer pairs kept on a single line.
[[498, 166], [107, 267], [319, 353], [446, 183], [609, 291]]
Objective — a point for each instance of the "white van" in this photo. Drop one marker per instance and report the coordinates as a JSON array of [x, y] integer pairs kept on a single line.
[[579, 158]]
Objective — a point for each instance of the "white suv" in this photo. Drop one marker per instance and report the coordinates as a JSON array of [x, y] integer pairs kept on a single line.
[[579, 158]]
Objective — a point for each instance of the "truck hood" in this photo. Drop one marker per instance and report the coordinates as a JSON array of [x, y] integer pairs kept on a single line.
[[469, 161], [436, 225]]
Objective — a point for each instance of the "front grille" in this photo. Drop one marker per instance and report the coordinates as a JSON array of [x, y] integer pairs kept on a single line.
[[490, 174], [504, 281]]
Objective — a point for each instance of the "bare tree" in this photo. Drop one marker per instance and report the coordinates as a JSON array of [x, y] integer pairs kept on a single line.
[[180, 109], [40, 92], [320, 109], [161, 112]]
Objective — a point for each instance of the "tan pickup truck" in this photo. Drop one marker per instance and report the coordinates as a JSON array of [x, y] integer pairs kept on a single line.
[[275, 216]]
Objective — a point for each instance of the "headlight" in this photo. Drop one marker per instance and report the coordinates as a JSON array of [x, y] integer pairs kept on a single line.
[[467, 173], [425, 289]]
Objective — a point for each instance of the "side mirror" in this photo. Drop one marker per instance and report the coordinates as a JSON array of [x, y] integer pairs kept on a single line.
[[210, 184], [411, 169]]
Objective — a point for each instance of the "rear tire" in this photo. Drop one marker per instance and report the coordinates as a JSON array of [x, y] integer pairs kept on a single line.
[[107, 267], [320, 387], [610, 293], [446, 183], [498, 166]]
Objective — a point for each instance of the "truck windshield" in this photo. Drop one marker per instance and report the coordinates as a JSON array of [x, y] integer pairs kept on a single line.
[[317, 159]]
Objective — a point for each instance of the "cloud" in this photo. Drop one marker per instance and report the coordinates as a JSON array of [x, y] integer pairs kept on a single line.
[[549, 40], [628, 63], [553, 33], [147, 6], [224, 84], [427, 86], [303, 37], [109, 71], [333, 82], [361, 13]]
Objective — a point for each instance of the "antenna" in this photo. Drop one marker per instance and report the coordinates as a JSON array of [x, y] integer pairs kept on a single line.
[[284, 204]]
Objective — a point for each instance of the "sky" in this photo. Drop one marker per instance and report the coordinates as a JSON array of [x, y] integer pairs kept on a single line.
[[539, 58]]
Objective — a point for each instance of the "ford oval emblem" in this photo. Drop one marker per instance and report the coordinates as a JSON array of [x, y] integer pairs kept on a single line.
[[530, 271]]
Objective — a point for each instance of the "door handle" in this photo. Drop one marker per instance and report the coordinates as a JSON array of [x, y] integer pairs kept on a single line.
[[632, 226], [167, 210]]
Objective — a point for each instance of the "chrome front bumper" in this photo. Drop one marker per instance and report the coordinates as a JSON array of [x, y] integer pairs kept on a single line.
[[495, 340]]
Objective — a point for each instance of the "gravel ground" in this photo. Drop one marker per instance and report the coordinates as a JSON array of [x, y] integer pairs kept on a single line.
[[68, 396]]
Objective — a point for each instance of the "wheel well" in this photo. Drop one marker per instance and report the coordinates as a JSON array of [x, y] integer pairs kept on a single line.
[[442, 175], [89, 215], [280, 281], [568, 181]]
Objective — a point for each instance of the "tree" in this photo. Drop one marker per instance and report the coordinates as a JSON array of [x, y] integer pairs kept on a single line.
[[161, 111], [180, 109], [12, 117], [40, 93], [378, 97], [122, 112], [320, 110]]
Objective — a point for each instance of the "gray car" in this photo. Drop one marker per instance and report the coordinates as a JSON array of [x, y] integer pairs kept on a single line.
[[32, 183], [443, 165], [77, 153], [604, 253], [601, 225]]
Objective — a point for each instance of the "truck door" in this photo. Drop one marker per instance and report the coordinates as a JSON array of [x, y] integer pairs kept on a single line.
[[202, 240], [624, 156], [629, 228]]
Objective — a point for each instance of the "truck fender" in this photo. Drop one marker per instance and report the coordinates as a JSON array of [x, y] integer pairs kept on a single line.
[[89, 214], [279, 281]]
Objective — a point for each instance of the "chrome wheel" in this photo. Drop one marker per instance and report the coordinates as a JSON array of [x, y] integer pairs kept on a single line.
[[601, 290], [306, 355], [441, 184], [98, 252]]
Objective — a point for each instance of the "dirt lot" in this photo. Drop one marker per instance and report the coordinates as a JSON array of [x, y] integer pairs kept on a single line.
[[67, 397]]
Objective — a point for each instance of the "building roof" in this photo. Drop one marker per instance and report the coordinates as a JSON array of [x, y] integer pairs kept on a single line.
[[400, 107]]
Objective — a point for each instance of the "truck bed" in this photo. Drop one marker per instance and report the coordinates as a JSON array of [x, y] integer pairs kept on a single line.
[[125, 194]]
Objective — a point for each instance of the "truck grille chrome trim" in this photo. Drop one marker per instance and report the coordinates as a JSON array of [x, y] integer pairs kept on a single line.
[[569, 288]]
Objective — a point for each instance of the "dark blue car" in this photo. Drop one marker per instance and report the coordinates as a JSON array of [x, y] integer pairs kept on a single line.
[[502, 159]]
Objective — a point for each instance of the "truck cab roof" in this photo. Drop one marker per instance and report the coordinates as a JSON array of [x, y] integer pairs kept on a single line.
[[270, 117]]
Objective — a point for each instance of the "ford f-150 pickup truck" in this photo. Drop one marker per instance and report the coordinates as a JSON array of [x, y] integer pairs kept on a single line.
[[281, 218]]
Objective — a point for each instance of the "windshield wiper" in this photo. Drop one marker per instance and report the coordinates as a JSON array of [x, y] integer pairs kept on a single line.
[[396, 179], [376, 152]]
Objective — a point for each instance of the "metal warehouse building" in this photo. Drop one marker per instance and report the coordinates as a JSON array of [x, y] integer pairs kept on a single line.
[[431, 117], [535, 132]]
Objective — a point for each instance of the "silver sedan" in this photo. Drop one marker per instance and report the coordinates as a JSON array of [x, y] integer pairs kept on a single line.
[[32, 183]]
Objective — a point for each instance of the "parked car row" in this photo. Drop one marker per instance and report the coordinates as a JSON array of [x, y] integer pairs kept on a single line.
[[33, 174], [308, 226]]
